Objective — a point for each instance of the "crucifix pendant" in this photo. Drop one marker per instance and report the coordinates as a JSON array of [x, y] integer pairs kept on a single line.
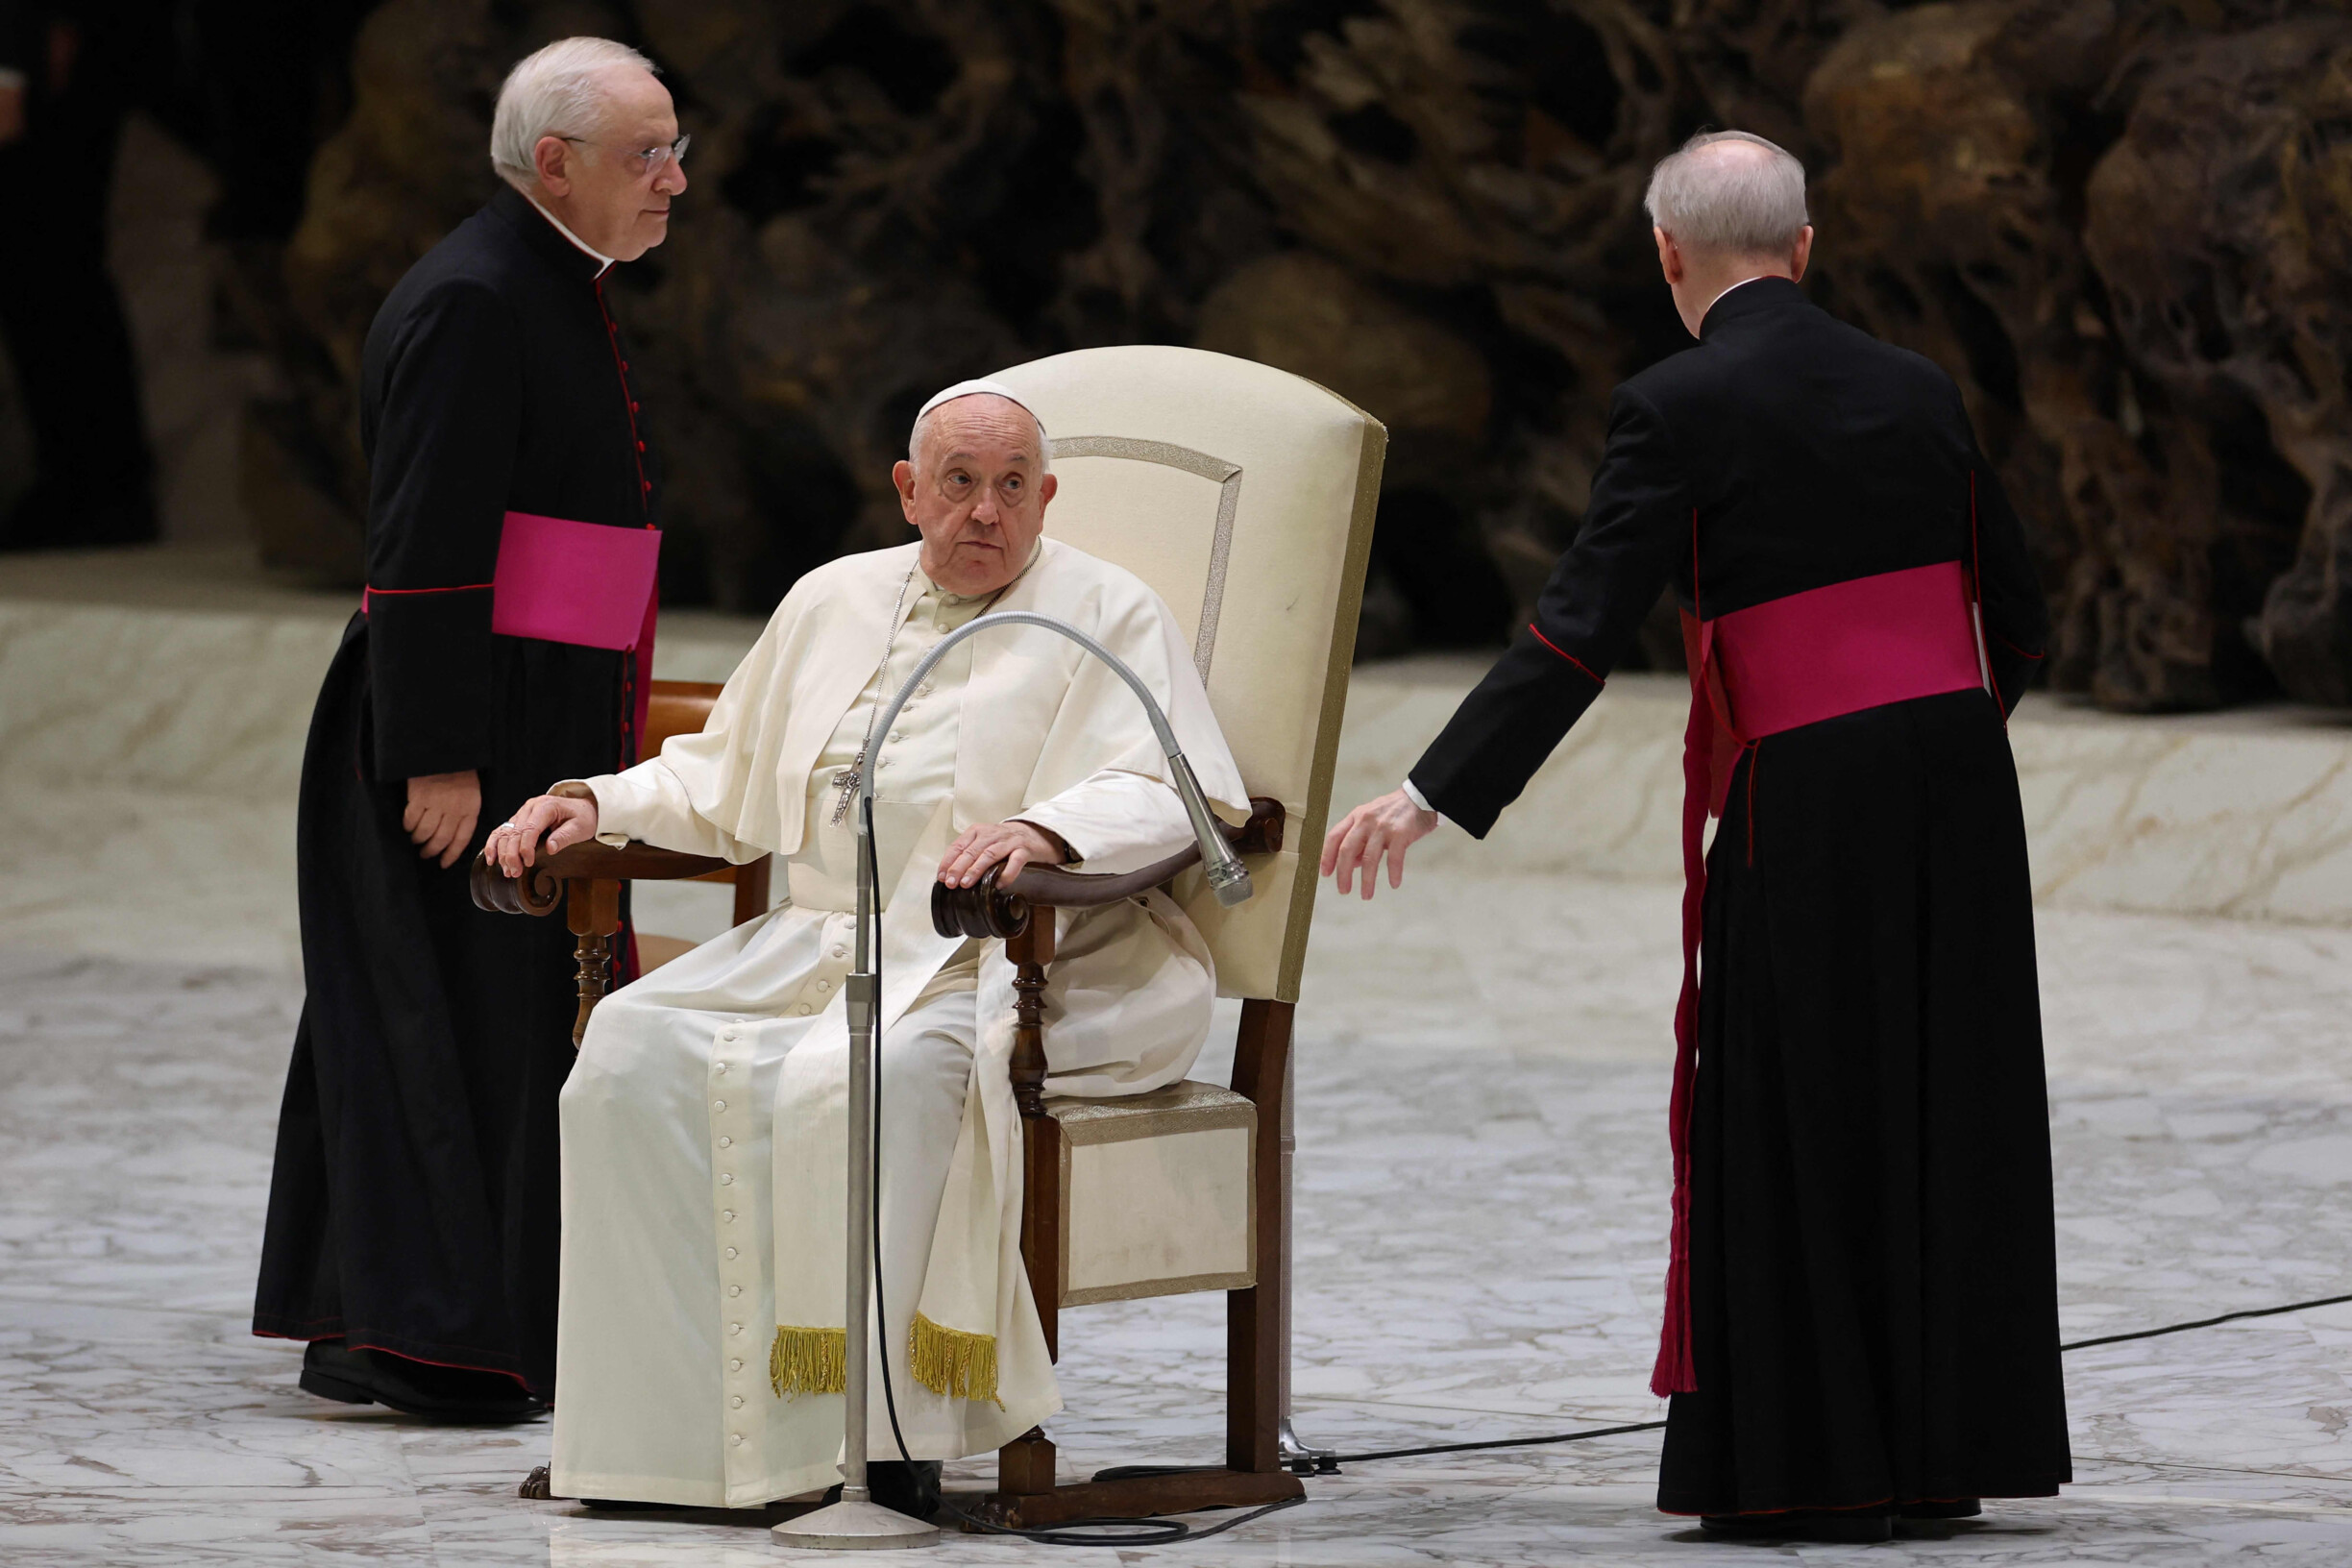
[[847, 782]]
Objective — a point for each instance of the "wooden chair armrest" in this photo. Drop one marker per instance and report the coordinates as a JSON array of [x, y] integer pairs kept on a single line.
[[987, 910], [540, 888]]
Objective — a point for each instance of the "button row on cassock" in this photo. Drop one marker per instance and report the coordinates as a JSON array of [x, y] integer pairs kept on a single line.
[[734, 1270], [727, 1114]]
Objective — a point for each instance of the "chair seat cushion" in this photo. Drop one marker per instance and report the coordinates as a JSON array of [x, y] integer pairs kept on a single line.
[[1158, 1193]]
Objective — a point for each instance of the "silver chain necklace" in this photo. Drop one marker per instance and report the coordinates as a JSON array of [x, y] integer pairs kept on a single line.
[[847, 779]]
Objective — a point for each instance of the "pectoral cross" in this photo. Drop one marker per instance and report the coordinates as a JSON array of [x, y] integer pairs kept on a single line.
[[847, 782]]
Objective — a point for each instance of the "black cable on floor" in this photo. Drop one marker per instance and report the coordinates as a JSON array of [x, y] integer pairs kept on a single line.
[[1329, 1465], [1338, 1459], [2207, 1322]]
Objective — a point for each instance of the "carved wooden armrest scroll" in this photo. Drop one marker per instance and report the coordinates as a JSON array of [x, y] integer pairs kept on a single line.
[[541, 886]]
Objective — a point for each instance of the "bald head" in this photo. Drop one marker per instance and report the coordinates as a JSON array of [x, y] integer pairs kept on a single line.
[[1727, 192]]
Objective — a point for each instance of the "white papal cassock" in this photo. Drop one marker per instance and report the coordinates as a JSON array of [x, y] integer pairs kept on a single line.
[[704, 1123]]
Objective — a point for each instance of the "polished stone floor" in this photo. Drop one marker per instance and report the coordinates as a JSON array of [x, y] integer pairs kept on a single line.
[[1482, 1206]]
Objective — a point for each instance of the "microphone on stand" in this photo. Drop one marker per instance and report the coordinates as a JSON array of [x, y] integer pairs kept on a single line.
[[1228, 879], [857, 1523]]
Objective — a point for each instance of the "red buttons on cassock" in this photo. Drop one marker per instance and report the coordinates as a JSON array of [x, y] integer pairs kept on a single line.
[[641, 446], [632, 407], [648, 484]]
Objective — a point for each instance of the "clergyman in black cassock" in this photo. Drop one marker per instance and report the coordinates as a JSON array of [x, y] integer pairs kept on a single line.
[[1871, 1276], [414, 1206]]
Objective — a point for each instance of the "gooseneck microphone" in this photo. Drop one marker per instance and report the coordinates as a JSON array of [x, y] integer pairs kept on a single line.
[[1228, 879]]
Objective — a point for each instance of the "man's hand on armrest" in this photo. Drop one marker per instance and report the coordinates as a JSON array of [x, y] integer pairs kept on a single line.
[[515, 844], [1017, 844]]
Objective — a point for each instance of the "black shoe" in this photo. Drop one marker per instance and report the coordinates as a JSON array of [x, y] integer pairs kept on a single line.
[[1936, 1519], [331, 1370], [1842, 1525], [1948, 1508], [902, 1487]]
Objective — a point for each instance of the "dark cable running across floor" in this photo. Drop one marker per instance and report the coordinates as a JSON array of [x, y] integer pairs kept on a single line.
[[1331, 1464]]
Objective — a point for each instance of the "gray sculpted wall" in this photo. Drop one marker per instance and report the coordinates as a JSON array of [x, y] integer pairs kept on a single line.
[[2122, 225]]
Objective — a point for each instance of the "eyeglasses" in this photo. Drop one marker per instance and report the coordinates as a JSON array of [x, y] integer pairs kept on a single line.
[[650, 160]]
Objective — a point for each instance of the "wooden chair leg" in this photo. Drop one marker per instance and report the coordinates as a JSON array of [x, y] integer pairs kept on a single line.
[[1252, 1317], [751, 889], [592, 909], [1025, 1465]]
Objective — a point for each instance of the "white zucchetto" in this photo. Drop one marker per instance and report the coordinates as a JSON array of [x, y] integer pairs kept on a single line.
[[966, 389]]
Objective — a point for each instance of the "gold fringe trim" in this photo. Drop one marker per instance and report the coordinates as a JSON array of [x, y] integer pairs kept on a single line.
[[952, 1364], [809, 1361]]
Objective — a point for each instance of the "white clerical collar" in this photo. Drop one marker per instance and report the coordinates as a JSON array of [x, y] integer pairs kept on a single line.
[[1742, 284], [948, 597], [604, 262]]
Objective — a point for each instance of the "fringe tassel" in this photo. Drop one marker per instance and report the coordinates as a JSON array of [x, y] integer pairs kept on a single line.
[[952, 1364], [809, 1361]]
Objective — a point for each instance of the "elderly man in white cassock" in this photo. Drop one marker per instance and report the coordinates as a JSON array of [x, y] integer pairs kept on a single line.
[[701, 1350]]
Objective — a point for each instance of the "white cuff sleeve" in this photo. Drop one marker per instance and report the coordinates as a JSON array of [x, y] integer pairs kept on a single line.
[[647, 802], [11, 78], [1419, 799], [1115, 820]]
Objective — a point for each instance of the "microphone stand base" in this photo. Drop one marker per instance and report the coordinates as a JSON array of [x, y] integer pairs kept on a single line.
[[1302, 1459], [854, 1526]]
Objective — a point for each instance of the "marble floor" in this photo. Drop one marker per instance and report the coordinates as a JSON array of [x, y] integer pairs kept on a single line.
[[1482, 1201]]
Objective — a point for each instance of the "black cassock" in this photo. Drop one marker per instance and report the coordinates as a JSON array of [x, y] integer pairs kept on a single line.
[[1872, 1280], [414, 1204]]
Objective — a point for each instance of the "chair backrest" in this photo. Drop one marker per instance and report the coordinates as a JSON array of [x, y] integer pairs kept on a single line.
[[682, 707], [1244, 494], [677, 707]]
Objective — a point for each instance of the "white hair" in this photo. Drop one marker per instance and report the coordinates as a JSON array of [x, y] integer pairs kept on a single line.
[[1740, 204], [922, 432], [555, 92]]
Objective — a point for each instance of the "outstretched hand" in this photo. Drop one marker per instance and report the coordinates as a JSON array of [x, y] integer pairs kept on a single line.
[[514, 843], [1388, 828]]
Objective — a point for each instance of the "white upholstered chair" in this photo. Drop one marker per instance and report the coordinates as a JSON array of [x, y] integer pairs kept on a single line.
[[1244, 494]]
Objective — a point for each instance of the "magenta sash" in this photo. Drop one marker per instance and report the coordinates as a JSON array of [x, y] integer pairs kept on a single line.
[[562, 581], [1774, 667], [1844, 647], [574, 583], [583, 583]]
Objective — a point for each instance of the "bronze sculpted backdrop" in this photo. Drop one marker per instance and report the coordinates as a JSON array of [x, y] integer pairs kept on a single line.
[[2125, 226]]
